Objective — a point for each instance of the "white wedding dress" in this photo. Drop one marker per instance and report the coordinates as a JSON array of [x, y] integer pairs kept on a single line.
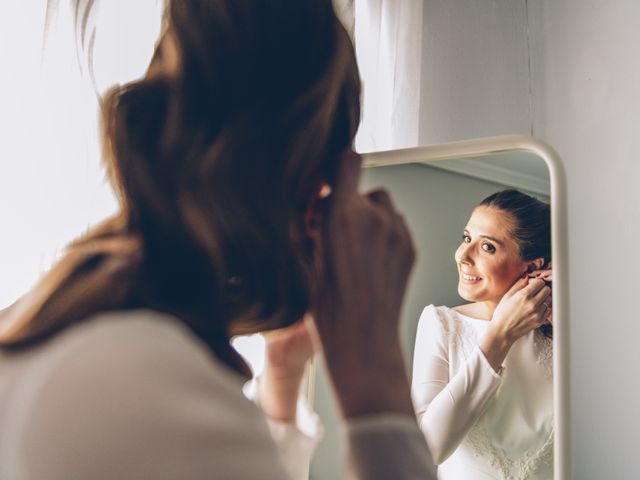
[[481, 425]]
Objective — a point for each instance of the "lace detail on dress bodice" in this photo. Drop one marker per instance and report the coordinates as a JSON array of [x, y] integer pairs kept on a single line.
[[463, 336], [479, 439]]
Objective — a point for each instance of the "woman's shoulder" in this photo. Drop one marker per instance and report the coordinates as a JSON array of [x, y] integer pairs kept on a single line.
[[444, 322], [143, 338], [139, 346], [125, 381], [434, 311], [441, 315], [436, 322], [137, 351]]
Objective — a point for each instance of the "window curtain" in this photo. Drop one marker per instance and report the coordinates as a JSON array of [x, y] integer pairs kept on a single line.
[[58, 56], [388, 40]]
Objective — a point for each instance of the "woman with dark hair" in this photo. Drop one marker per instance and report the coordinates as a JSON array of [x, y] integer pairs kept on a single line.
[[482, 371], [239, 213]]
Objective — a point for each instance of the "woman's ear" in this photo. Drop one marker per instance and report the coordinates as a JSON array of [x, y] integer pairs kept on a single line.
[[313, 214], [536, 264]]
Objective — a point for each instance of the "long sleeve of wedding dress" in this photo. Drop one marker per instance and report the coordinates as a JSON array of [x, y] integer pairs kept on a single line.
[[447, 405]]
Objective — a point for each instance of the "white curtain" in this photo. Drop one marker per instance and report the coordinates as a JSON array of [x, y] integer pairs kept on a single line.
[[52, 185], [388, 38]]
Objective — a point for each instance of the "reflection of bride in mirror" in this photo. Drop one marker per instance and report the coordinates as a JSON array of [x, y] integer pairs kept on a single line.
[[482, 376]]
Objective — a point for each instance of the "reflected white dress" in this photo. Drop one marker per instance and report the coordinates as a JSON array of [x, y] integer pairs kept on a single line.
[[481, 425]]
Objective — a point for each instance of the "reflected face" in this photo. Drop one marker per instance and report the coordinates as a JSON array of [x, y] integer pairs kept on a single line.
[[488, 259]]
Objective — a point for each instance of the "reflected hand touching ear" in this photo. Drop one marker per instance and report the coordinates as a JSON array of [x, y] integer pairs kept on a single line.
[[525, 307], [544, 274], [547, 276]]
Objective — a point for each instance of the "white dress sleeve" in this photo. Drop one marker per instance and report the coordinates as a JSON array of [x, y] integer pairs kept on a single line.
[[447, 406], [388, 446], [297, 440]]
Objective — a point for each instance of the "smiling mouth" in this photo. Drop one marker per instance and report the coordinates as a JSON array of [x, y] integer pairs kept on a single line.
[[470, 278]]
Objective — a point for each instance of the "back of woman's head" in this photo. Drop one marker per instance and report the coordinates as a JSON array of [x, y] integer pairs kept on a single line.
[[531, 222], [214, 156]]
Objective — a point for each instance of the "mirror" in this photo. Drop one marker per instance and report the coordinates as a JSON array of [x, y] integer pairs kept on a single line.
[[520, 431]]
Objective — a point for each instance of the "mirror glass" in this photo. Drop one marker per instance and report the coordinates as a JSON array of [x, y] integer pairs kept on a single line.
[[507, 421]]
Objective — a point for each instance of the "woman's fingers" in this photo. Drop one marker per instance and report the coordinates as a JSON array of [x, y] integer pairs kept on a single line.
[[543, 305], [543, 274], [534, 288], [539, 292], [381, 198], [542, 298]]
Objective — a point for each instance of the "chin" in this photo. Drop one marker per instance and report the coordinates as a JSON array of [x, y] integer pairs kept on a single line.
[[466, 295]]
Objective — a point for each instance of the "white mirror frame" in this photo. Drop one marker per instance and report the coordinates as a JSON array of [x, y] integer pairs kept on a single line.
[[559, 244]]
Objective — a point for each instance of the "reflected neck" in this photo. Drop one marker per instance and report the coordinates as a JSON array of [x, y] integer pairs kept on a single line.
[[485, 309]]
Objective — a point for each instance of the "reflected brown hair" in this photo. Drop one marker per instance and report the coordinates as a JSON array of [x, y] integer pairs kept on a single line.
[[213, 163]]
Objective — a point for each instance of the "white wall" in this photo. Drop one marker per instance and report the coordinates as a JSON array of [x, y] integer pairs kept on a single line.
[[475, 70], [586, 92]]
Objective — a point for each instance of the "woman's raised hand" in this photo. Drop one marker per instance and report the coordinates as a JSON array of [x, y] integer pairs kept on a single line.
[[365, 256], [525, 307], [288, 351]]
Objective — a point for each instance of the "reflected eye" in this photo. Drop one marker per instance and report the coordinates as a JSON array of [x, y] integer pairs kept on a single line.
[[466, 238], [487, 247]]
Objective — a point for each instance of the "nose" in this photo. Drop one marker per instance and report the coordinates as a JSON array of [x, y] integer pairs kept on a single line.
[[464, 254]]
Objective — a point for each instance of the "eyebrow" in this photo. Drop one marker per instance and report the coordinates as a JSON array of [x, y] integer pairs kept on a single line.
[[488, 237]]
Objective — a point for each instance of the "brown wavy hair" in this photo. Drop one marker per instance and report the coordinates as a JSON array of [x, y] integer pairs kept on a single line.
[[214, 163]]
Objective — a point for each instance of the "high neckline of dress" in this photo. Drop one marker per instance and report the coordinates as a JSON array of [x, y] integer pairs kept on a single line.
[[467, 316]]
